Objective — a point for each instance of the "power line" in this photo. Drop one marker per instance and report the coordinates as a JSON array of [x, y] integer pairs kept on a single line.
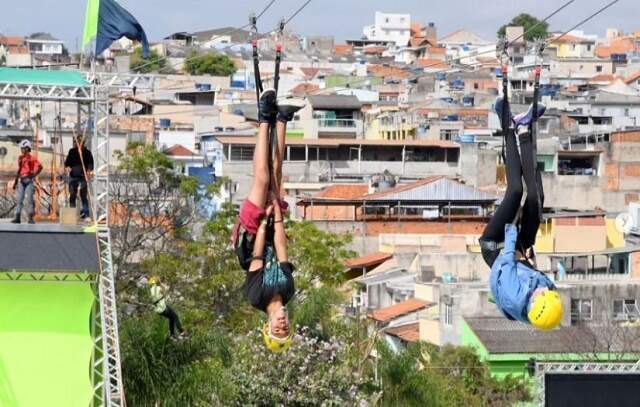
[[297, 12], [584, 21]]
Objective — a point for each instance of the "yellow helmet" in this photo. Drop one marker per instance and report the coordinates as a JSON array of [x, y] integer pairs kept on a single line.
[[273, 343], [546, 311], [153, 281]]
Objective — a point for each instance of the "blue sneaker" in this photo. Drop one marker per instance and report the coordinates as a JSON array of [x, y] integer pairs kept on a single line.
[[498, 108]]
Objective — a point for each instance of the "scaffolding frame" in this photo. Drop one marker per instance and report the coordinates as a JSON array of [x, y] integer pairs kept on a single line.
[[93, 101], [544, 368]]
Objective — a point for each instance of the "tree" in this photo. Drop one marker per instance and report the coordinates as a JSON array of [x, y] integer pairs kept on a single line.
[[208, 64], [528, 22], [152, 64], [150, 205]]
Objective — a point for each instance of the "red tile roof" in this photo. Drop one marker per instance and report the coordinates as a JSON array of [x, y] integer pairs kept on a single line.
[[408, 332], [179, 150], [437, 50], [633, 78], [432, 63], [617, 46], [310, 73], [403, 308], [344, 191], [391, 71], [419, 42], [11, 41], [571, 39], [371, 259], [602, 78], [305, 89], [343, 49], [374, 50]]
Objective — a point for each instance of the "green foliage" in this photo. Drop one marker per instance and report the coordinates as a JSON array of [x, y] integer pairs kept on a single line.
[[153, 63], [208, 64], [225, 362], [318, 255], [527, 21]]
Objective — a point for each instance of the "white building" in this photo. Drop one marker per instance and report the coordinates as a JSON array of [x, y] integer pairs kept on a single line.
[[390, 27], [44, 44]]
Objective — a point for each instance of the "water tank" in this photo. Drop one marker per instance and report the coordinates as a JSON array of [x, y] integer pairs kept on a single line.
[[3, 123], [165, 123], [203, 87]]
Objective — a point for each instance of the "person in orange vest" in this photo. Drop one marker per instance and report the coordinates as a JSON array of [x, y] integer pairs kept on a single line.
[[28, 169]]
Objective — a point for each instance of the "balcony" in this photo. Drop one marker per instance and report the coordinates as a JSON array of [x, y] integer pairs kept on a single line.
[[342, 126]]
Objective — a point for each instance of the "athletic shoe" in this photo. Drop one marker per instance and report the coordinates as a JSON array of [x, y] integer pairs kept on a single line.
[[288, 106], [267, 108], [184, 335], [524, 119], [498, 108], [16, 220], [31, 221]]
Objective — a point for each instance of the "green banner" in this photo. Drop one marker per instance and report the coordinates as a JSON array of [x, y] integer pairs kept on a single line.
[[45, 344], [90, 22]]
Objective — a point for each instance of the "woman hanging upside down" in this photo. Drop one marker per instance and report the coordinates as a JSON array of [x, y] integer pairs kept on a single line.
[[259, 237], [520, 291]]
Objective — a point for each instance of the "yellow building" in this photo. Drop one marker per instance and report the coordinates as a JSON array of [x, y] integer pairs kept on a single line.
[[390, 126], [571, 46]]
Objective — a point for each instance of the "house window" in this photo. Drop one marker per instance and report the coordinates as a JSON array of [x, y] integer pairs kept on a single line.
[[476, 86], [448, 314], [137, 137], [448, 134], [598, 68], [581, 310], [588, 47], [625, 309], [626, 111]]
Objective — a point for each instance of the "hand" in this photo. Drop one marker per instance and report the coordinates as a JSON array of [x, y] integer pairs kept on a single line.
[[269, 210]]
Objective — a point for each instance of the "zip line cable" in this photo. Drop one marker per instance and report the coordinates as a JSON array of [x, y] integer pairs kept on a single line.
[[297, 12], [584, 21]]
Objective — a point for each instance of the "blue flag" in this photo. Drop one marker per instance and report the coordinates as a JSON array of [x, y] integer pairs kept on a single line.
[[114, 22]]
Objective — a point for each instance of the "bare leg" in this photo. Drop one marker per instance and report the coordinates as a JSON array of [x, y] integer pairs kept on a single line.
[[281, 131], [260, 186]]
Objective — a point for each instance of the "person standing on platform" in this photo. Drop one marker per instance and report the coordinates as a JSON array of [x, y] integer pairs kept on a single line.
[[78, 164], [28, 169]]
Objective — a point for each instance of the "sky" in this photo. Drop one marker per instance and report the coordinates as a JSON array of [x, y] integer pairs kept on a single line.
[[340, 18]]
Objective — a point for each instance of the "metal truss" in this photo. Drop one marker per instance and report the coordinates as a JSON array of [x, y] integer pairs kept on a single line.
[[545, 368], [46, 92], [122, 80], [107, 343]]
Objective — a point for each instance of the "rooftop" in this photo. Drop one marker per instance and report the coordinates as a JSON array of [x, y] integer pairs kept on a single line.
[[372, 259], [388, 314], [407, 332], [347, 102], [328, 142], [344, 191], [500, 336]]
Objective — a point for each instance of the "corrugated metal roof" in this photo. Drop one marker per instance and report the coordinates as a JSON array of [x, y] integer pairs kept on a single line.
[[334, 102], [439, 189], [499, 335], [407, 332]]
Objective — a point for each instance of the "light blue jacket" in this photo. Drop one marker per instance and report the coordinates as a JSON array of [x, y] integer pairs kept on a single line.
[[512, 283]]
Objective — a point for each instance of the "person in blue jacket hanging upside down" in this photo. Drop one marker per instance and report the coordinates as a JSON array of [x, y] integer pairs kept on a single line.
[[520, 291]]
